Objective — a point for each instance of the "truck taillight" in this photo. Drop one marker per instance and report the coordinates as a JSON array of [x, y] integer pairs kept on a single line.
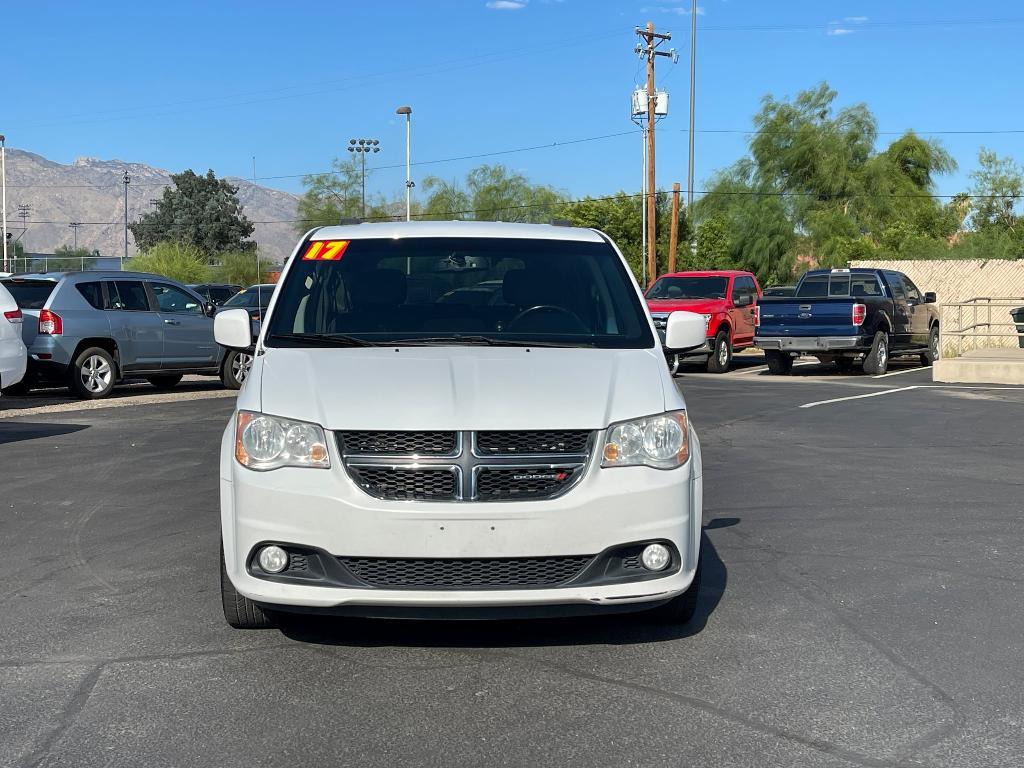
[[50, 323], [757, 316], [860, 311], [14, 315]]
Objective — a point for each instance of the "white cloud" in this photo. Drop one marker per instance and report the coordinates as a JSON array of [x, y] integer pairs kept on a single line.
[[506, 5], [836, 31], [678, 10]]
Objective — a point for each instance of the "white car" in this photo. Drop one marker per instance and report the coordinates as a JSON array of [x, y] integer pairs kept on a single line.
[[13, 355], [397, 455]]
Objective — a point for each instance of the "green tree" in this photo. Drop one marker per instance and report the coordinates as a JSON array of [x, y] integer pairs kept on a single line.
[[491, 193], [179, 261], [998, 184], [814, 191], [241, 268], [620, 216], [203, 211], [331, 197]]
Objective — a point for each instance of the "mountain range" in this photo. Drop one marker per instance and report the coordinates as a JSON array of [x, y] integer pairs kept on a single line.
[[91, 191]]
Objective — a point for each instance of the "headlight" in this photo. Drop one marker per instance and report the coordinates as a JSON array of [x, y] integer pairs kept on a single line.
[[268, 442], [661, 441]]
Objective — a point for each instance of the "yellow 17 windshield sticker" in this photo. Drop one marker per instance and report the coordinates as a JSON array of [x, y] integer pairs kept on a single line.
[[325, 250]]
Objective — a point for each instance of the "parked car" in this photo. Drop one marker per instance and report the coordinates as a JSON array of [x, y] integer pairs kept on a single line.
[[842, 315], [255, 299], [90, 330], [13, 356], [726, 298], [394, 456], [216, 293]]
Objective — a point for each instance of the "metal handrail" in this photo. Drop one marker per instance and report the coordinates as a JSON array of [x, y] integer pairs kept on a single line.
[[972, 330]]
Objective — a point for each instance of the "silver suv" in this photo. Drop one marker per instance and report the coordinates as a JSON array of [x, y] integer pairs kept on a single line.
[[89, 330]]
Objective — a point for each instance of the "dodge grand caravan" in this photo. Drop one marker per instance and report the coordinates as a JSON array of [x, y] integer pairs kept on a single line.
[[393, 454]]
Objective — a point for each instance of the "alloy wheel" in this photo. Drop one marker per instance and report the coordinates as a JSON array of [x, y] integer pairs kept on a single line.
[[241, 366], [96, 374]]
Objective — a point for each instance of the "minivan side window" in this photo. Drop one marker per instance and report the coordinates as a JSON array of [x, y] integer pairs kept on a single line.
[[128, 295], [172, 299], [92, 293]]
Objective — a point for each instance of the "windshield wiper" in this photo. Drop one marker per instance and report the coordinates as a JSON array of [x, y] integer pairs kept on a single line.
[[324, 339], [472, 340]]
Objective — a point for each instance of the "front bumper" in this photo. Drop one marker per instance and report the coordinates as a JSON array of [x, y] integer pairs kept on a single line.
[[811, 343], [324, 511]]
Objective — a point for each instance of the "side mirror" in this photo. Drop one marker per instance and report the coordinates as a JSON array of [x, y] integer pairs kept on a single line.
[[743, 301], [930, 297], [685, 330], [210, 308], [231, 329]]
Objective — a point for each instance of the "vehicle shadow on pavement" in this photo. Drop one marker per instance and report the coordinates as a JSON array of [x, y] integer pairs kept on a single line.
[[615, 629], [17, 431]]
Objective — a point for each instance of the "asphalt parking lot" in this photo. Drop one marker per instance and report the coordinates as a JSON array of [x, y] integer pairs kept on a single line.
[[861, 605]]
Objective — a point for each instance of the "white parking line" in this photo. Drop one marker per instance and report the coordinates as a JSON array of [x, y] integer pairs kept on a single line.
[[857, 397], [897, 373]]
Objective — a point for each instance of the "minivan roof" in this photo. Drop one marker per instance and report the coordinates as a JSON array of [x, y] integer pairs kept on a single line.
[[483, 229]]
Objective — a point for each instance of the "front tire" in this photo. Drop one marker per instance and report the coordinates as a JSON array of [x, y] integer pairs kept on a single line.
[[239, 611], [929, 357], [779, 363], [237, 365], [721, 353], [681, 608], [93, 374], [877, 360], [164, 382]]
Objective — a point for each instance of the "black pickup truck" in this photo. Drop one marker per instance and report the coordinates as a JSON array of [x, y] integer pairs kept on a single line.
[[842, 315]]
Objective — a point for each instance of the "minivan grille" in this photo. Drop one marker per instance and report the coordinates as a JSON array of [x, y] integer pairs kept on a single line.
[[491, 465], [407, 483], [521, 483], [465, 573], [493, 443], [416, 443]]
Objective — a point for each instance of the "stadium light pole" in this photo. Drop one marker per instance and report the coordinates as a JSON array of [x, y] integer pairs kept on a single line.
[[363, 147], [407, 111]]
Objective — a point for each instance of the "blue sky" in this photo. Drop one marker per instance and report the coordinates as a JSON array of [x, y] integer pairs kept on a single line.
[[210, 84]]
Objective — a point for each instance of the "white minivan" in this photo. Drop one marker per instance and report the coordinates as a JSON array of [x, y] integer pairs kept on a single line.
[[13, 355], [461, 420]]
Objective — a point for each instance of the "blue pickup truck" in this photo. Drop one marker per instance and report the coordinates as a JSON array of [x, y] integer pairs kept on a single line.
[[844, 315]]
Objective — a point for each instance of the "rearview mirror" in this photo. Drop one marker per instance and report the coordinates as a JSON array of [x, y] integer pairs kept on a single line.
[[231, 329], [930, 297], [744, 300], [684, 330]]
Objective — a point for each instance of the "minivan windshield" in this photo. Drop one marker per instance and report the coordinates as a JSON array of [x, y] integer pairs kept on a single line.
[[689, 288], [438, 290]]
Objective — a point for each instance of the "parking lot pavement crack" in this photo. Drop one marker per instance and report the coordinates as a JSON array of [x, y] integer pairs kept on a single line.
[[819, 745], [66, 718]]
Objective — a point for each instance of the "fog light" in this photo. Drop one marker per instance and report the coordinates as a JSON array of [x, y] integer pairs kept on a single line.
[[273, 559], [655, 557]]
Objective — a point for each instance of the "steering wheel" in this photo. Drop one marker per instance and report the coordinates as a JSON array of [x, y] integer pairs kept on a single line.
[[535, 310]]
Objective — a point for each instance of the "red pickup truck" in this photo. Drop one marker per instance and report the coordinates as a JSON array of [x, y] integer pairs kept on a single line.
[[726, 298]]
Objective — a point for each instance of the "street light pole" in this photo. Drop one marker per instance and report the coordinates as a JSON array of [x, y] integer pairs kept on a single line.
[[3, 201], [407, 111], [363, 147]]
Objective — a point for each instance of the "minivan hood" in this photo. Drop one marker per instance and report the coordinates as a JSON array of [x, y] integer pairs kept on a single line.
[[700, 306], [427, 388]]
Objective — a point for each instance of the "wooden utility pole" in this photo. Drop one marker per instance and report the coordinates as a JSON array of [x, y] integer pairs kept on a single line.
[[651, 40], [673, 236]]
